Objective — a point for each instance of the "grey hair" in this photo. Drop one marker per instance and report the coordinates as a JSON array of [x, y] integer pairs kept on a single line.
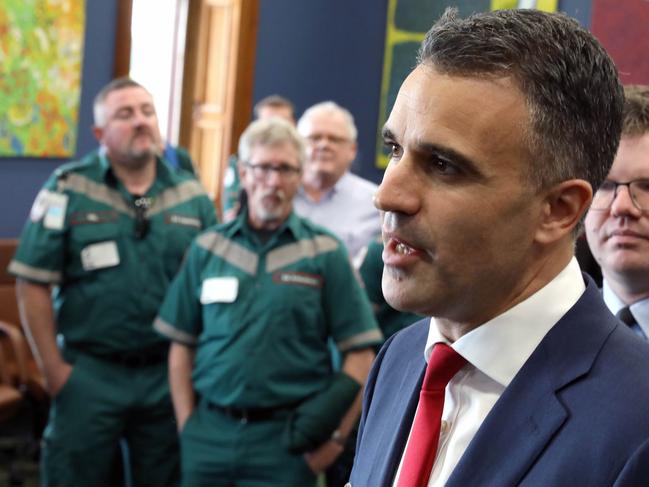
[[270, 132], [570, 84], [329, 107], [114, 85]]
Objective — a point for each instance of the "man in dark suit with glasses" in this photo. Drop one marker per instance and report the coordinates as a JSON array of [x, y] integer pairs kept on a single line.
[[617, 225]]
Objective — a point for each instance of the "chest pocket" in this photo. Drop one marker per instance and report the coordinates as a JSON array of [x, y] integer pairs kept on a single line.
[[302, 307], [87, 230]]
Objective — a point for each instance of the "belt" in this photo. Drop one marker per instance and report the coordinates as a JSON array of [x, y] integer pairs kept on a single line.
[[136, 360], [250, 415]]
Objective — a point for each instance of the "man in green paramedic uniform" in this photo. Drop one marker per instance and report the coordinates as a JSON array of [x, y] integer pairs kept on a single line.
[[107, 235], [249, 314]]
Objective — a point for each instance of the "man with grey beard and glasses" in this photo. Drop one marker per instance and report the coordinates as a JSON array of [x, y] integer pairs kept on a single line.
[[249, 317]]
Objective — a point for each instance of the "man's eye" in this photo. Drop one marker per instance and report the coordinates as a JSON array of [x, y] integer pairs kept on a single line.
[[393, 149], [123, 114], [443, 166]]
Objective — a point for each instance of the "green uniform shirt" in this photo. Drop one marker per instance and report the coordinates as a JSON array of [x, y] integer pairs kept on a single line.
[[81, 238], [371, 271], [231, 185], [260, 314]]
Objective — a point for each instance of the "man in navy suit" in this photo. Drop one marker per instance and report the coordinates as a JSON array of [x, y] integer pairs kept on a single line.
[[497, 138]]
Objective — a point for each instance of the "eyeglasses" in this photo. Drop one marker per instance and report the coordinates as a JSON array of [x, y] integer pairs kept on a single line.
[[638, 191], [263, 171], [141, 204], [334, 139]]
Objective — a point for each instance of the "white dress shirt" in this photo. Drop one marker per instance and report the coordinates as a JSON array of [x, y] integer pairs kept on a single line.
[[347, 210], [495, 352], [639, 309]]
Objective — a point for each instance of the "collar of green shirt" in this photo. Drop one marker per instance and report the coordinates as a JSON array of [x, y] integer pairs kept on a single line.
[[240, 225]]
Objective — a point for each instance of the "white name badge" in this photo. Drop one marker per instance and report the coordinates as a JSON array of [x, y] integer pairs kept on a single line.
[[219, 290], [55, 215], [100, 256]]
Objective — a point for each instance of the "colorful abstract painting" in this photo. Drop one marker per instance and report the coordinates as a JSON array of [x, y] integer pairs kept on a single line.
[[41, 46]]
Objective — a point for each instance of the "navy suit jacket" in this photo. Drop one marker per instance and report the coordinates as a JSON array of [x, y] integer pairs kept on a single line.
[[576, 414]]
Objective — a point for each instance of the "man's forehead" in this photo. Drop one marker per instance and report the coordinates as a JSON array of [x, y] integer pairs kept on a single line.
[[130, 95], [435, 97], [285, 151], [326, 121], [632, 158]]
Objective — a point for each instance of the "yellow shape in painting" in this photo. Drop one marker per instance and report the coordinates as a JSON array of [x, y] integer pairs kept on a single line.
[[545, 5], [20, 114]]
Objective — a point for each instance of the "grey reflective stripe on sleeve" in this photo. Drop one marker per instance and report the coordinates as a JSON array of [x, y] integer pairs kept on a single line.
[[175, 334], [34, 273], [171, 197], [95, 191], [233, 253], [369, 337], [291, 253]]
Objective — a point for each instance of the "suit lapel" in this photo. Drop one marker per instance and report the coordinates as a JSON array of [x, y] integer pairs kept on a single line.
[[528, 415], [400, 377], [514, 433], [402, 414]]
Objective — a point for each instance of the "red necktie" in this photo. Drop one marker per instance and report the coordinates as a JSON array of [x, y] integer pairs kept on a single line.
[[420, 454]]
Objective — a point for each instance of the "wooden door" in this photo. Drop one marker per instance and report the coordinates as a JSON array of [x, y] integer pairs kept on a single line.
[[217, 83]]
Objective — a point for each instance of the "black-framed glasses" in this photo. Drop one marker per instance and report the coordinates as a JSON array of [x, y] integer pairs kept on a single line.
[[263, 171], [141, 204], [334, 139], [607, 192]]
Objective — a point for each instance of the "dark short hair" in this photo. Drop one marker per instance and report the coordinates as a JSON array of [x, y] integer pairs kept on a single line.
[[636, 110], [275, 101], [570, 84], [114, 85]]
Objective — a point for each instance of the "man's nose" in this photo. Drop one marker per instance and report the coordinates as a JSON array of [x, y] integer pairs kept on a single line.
[[622, 204], [399, 191]]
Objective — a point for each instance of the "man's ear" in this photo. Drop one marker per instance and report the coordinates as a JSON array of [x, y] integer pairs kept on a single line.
[[562, 209], [241, 169], [98, 132]]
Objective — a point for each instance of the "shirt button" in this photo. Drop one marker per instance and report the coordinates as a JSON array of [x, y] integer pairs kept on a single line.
[[444, 427]]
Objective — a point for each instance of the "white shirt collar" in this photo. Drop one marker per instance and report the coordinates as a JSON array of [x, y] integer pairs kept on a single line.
[[640, 309], [501, 346]]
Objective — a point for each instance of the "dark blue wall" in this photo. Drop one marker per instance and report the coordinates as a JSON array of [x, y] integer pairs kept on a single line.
[[21, 178]]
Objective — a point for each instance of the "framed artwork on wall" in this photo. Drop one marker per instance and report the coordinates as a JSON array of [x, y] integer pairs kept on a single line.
[[41, 49]]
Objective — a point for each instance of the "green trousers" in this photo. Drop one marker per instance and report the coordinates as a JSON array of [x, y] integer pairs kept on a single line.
[[100, 404], [218, 451]]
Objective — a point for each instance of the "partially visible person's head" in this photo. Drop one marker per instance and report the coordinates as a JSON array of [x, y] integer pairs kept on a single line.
[[496, 138], [330, 134], [275, 106], [271, 154], [125, 122], [617, 225]]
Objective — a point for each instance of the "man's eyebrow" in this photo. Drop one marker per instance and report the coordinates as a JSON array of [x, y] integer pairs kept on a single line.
[[444, 152], [448, 153], [387, 134]]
